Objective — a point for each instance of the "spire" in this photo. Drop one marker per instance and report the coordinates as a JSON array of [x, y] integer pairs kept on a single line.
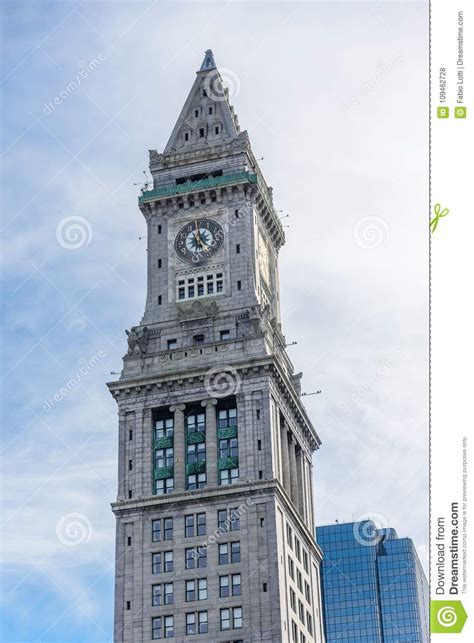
[[208, 62], [207, 118]]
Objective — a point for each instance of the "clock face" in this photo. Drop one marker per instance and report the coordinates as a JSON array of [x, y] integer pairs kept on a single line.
[[199, 240]]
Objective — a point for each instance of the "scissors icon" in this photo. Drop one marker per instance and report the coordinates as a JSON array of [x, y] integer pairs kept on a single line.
[[439, 214]]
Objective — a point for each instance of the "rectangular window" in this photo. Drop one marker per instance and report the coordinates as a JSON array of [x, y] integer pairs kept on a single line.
[[293, 600], [196, 113], [190, 590], [235, 552], [164, 458], [156, 595], [200, 524], [169, 627], [299, 580], [156, 628], [159, 300], [239, 285], [196, 481], [223, 554], [305, 561], [224, 590], [229, 447], [237, 248], [182, 293], [164, 486], [289, 535], [236, 585], [216, 130], [225, 334], [309, 623], [228, 476], [200, 290], [229, 553], [231, 618], [167, 528], [186, 136], [196, 422], [196, 452], [294, 631], [210, 110], [297, 549], [159, 263], [202, 623], [190, 291], [168, 561], [195, 557], [169, 594], [291, 568], [164, 428], [201, 132], [195, 525], [156, 531], [202, 589], [236, 618], [191, 623], [301, 611], [189, 526], [172, 343], [227, 417], [234, 519], [225, 619], [307, 592], [198, 339], [156, 565]]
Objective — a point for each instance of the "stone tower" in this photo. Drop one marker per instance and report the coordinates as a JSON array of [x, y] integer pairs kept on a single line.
[[214, 509]]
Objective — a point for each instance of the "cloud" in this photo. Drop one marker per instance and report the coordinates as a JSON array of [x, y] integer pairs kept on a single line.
[[348, 307]]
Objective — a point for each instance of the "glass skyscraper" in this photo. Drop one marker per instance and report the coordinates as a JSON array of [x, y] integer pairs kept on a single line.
[[373, 585]]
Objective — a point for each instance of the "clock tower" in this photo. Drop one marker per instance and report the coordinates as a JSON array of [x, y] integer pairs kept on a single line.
[[214, 508]]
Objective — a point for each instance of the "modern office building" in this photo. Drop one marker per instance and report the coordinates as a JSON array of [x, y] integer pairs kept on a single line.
[[214, 512], [374, 587]]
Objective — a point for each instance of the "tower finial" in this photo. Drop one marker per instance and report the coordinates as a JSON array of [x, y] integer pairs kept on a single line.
[[208, 62]]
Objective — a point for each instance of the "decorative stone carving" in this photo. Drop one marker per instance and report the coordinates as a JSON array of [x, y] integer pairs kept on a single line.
[[242, 141], [198, 310], [137, 340], [155, 157]]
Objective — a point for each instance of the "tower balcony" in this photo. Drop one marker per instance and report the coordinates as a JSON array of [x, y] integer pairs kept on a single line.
[[196, 186]]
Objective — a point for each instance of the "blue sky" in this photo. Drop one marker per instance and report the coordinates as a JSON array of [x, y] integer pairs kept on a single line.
[[334, 96]]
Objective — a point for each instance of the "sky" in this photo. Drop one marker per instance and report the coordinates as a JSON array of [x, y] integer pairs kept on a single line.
[[335, 99]]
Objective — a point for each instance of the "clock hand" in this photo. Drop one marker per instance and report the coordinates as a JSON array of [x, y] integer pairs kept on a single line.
[[198, 236]]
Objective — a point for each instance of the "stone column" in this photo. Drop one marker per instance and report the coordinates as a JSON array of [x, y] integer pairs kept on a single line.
[[212, 456], [285, 457], [179, 447], [293, 471], [301, 483]]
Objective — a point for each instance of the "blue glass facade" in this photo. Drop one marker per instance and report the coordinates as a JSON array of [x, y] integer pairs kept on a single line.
[[373, 586]]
